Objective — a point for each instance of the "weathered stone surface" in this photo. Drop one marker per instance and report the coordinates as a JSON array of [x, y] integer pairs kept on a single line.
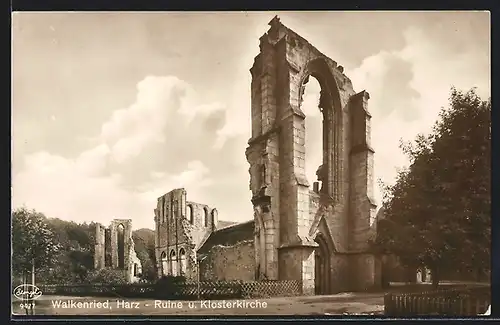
[[292, 212], [186, 231], [316, 234], [236, 262], [181, 226], [125, 259]]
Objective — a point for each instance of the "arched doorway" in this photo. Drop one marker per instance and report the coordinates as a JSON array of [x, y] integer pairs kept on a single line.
[[164, 264], [173, 263], [322, 267], [183, 261]]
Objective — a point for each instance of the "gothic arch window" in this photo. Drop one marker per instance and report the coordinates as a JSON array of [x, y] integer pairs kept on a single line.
[[322, 265], [120, 233], [182, 254], [189, 213], [214, 216], [173, 263], [205, 217], [164, 264], [136, 269]]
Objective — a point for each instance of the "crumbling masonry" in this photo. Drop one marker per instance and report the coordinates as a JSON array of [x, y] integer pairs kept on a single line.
[[319, 236], [116, 243]]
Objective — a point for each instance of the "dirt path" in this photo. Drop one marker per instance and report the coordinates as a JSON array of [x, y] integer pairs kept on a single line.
[[344, 303]]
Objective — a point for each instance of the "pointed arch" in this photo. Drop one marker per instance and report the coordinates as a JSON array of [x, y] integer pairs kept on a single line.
[[330, 105], [322, 271], [189, 213], [173, 263], [183, 261], [206, 217], [321, 228], [164, 263], [120, 242]]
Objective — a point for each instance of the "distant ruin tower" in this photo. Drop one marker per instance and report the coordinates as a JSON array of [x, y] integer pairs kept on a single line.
[[121, 231], [120, 245], [100, 245]]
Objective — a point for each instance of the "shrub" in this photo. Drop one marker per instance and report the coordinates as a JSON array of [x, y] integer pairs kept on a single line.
[[106, 276]]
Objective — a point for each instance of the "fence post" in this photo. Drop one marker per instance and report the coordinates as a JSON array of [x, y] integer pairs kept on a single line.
[[387, 301]]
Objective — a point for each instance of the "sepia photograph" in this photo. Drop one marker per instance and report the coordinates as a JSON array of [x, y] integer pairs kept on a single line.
[[316, 163]]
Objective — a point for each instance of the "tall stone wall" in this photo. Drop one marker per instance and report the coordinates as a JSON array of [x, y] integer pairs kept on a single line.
[[127, 242], [235, 262], [130, 260], [181, 226], [134, 267], [287, 213], [100, 247]]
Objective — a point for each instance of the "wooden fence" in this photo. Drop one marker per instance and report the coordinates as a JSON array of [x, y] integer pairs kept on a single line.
[[184, 290], [471, 302]]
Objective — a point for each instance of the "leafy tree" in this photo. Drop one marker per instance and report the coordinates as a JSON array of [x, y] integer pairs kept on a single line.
[[71, 246], [438, 213], [33, 243], [75, 258]]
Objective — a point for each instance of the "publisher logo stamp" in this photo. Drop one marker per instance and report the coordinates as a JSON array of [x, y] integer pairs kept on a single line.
[[27, 292]]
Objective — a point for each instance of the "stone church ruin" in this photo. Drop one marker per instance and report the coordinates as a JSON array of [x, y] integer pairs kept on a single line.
[[114, 248], [318, 235]]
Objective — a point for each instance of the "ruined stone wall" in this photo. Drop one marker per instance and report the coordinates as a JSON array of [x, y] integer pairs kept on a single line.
[[363, 207], [314, 205], [286, 211], [181, 226], [235, 262], [340, 276], [134, 267], [127, 241], [129, 255], [198, 228]]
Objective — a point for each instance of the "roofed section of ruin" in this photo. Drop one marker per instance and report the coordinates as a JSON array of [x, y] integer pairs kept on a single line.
[[229, 236], [225, 224]]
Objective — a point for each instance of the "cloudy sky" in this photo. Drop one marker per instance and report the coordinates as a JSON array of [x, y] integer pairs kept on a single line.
[[112, 110]]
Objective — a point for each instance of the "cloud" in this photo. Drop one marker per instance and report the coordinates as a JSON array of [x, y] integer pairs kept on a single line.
[[408, 87], [131, 130], [170, 137], [110, 180]]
